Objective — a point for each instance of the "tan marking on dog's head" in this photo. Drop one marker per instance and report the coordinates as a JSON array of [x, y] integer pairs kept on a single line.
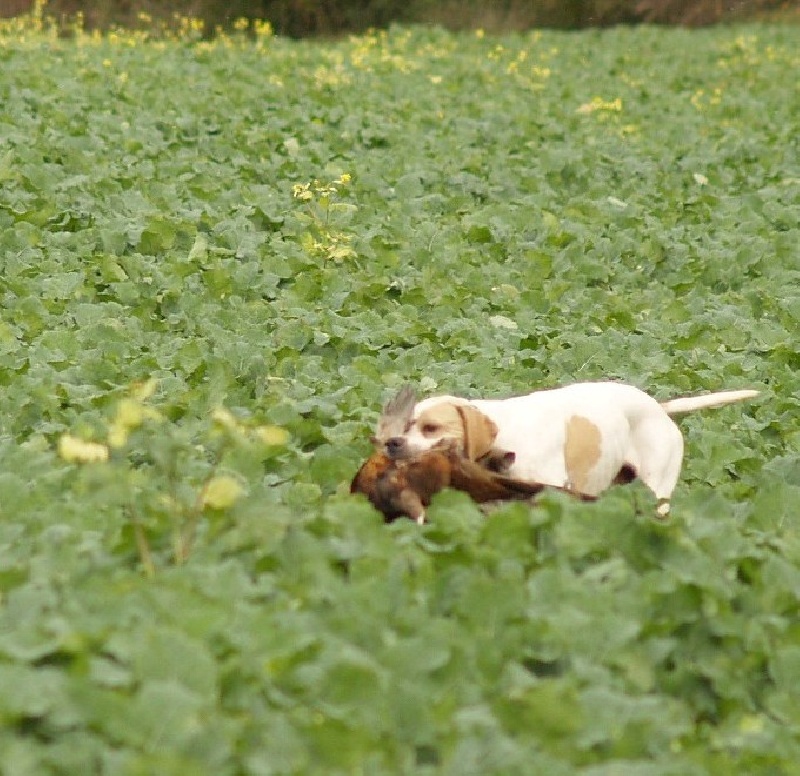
[[447, 420], [582, 443]]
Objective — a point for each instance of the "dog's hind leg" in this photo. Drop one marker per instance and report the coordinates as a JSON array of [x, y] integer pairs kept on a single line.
[[659, 443]]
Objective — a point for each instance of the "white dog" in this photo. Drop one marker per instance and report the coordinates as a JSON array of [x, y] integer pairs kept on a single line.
[[583, 437]]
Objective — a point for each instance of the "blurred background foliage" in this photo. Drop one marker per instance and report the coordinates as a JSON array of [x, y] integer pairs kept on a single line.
[[301, 18]]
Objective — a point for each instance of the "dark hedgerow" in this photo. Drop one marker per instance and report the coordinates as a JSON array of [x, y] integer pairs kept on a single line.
[[301, 18]]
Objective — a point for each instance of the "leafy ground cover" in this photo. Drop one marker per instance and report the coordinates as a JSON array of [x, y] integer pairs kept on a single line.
[[217, 261]]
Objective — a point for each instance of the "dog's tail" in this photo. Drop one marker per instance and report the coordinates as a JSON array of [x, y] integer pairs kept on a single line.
[[708, 401]]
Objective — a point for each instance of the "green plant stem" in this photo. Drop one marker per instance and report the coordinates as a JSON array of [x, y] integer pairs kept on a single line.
[[142, 545]]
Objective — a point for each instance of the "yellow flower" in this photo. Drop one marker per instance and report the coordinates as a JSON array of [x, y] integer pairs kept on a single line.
[[301, 191], [221, 492], [75, 450], [272, 435], [599, 104], [144, 390], [131, 413], [226, 420], [263, 28]]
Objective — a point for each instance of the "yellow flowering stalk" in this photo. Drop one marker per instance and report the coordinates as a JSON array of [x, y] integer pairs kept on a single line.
[[131, 413], [599, 104]]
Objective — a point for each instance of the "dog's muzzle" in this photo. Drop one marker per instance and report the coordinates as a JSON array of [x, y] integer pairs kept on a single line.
[[396, 447]]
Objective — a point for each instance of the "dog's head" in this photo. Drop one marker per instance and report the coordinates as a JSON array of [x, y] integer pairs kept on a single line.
[[440, 419]]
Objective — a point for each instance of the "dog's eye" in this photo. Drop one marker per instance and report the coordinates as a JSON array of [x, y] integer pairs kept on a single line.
[[429, 428]]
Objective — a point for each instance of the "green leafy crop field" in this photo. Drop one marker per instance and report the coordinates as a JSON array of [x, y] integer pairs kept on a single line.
[[219, 258]]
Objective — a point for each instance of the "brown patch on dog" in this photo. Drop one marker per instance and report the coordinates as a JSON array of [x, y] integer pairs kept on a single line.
[[582, 441], [479, 432]]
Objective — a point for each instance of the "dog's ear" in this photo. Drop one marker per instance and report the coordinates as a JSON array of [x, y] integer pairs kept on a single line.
[[479, 431]]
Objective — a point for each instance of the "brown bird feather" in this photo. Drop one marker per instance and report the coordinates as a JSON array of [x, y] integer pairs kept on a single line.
[[405, 487]]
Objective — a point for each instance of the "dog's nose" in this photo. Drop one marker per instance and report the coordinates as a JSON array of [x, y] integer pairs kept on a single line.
[[395, 446]]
